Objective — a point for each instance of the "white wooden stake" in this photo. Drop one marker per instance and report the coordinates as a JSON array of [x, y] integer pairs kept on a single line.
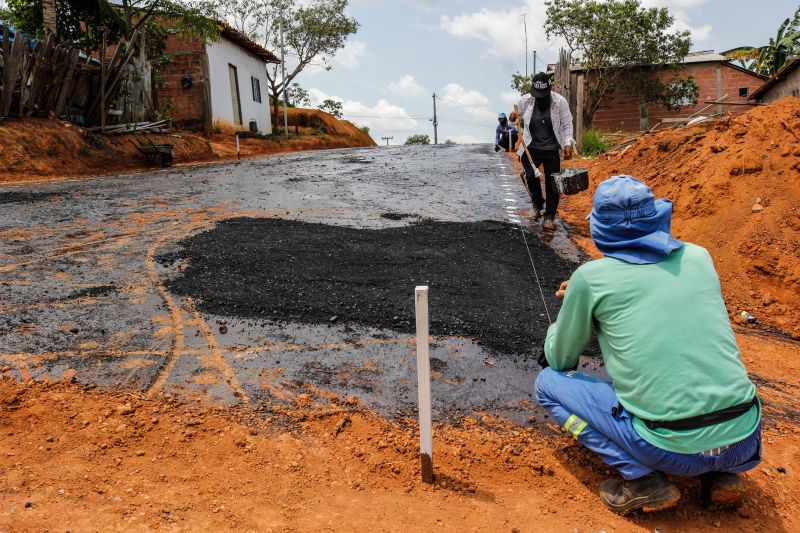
[[237, 148], [424, 385]]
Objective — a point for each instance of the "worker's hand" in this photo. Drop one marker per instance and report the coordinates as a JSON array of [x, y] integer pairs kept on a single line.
[[496, 147], [562, 290], [542, 360], [512, 117], [568, 151]]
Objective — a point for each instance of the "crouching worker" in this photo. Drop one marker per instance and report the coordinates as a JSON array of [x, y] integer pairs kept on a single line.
[[505, 135], [679, 401]]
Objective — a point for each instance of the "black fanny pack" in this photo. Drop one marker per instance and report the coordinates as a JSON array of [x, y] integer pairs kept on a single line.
[[701, 421]]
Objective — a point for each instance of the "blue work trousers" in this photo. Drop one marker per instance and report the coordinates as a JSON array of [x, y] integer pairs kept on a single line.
[[588, 408]]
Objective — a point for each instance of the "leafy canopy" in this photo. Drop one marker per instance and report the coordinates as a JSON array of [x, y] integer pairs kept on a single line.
[[624, 48], [767, 60], [331, 107], [418, 139]]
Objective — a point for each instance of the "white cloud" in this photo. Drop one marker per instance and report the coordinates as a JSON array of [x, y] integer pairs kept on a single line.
[[502, 29], [406, 86], [381, 116], [470, 101], [351, 55], [510, 98], [682, 18]]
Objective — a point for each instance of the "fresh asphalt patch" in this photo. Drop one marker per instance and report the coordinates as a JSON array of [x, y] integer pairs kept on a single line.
[[480, 277]]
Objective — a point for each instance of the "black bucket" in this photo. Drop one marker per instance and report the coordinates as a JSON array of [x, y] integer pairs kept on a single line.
[[572, 180]]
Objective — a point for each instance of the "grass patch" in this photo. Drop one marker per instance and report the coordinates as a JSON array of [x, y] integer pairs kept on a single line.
[[594, 143]]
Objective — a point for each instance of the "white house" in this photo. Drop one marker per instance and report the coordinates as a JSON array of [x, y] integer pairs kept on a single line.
[[207, 83]]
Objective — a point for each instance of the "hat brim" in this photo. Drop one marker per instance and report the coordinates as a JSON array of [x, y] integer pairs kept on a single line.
[[633, 245]]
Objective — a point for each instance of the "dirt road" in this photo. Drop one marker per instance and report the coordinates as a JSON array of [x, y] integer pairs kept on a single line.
[[164, 285]]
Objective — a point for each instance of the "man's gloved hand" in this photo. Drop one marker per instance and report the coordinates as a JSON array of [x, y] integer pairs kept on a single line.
[[497, 148]]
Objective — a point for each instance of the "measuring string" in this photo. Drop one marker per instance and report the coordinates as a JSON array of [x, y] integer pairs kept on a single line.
[[535, 274]]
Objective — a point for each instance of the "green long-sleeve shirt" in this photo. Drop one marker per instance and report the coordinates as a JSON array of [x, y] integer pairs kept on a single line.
[[667, 344]]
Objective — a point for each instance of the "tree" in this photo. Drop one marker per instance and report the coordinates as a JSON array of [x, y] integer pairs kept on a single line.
[[297, 96], [449, 141], [623, 47], [312, 30], [769, 59], [521, 83], [418, 139], [331, 107]]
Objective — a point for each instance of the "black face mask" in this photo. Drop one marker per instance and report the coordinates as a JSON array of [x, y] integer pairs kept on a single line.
[[503, 122], [543, 103]]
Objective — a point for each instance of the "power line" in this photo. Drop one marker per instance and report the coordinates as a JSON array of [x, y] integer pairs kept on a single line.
[[481, 108]]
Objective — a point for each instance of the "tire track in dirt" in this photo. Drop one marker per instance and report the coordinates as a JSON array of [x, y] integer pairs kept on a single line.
[[218, 359], [178, 340]]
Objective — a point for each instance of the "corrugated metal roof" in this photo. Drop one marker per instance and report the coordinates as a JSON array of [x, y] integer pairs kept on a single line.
[[704, 56]]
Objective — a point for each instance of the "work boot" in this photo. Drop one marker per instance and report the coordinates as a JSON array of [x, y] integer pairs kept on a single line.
[[721, 489], [549, 222], [537, 211], [652, 492]]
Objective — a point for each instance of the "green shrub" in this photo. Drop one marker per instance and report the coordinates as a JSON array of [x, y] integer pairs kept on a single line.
[[594, 143]]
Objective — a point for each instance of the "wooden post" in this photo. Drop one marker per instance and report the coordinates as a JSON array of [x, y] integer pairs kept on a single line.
[[579, 114], [237, 147], [424, 385], [103, 84]]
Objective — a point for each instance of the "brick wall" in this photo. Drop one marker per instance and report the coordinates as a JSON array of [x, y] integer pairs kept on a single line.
[[184, 106], [624, 112]]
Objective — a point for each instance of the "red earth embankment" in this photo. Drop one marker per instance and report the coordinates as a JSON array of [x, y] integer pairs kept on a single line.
[[35, 149], [736, 189]]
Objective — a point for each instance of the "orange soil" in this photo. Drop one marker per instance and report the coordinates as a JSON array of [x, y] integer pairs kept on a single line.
[[714, 173], [34, 149], [78, 459]]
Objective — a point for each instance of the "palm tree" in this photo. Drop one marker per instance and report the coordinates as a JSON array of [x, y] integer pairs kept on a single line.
[[768, 60]]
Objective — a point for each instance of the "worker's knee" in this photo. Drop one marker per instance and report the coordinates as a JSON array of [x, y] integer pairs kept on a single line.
[[543, 387]]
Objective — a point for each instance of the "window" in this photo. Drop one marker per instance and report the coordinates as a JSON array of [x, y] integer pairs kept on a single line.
[[256, 83], [744, 92]]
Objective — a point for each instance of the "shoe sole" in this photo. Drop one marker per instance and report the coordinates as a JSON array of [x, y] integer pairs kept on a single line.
[[665, 499]]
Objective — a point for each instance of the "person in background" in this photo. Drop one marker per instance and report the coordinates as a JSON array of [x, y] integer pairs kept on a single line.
[[679, 401], [505, 136], [547, 130]]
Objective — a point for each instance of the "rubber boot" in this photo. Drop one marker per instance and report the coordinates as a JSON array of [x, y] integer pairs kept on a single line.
[[721, 490], [652, 492]]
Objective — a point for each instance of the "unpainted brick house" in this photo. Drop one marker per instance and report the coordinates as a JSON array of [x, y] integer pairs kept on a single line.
[[202, 83], [715, 76]]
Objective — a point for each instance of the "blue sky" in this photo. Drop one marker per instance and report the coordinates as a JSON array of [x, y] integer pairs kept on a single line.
[[466, 51]]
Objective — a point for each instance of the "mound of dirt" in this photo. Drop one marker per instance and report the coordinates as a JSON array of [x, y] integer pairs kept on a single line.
[[736, 189], [479, 276], [44, 148]]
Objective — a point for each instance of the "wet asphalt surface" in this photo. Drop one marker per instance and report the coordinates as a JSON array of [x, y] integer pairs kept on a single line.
[[84, 287]]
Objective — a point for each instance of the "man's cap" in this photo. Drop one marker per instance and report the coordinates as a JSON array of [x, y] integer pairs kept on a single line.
[[540, 85], [501, 116]]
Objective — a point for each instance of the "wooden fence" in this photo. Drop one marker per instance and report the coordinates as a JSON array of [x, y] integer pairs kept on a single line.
[[41, 77]]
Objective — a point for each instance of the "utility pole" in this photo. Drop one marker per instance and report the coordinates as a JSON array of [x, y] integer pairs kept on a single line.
[[387, 139], [283, 76], [534, 61], [435, 122], [525, 23]]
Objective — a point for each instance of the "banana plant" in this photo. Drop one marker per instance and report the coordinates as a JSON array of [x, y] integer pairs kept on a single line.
[[769, 59]]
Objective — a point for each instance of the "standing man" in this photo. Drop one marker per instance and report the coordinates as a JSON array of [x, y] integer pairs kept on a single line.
[[547, 129], [679, 401], [505, 136]]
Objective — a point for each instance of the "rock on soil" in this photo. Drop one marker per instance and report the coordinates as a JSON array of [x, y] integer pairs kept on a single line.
[[480, 278]]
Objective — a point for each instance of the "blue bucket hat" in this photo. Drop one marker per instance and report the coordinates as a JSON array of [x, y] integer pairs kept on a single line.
[[628, 223]]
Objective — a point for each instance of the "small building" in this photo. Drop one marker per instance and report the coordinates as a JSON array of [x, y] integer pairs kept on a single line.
[[204, 84], [716, 77], [785, 83]]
